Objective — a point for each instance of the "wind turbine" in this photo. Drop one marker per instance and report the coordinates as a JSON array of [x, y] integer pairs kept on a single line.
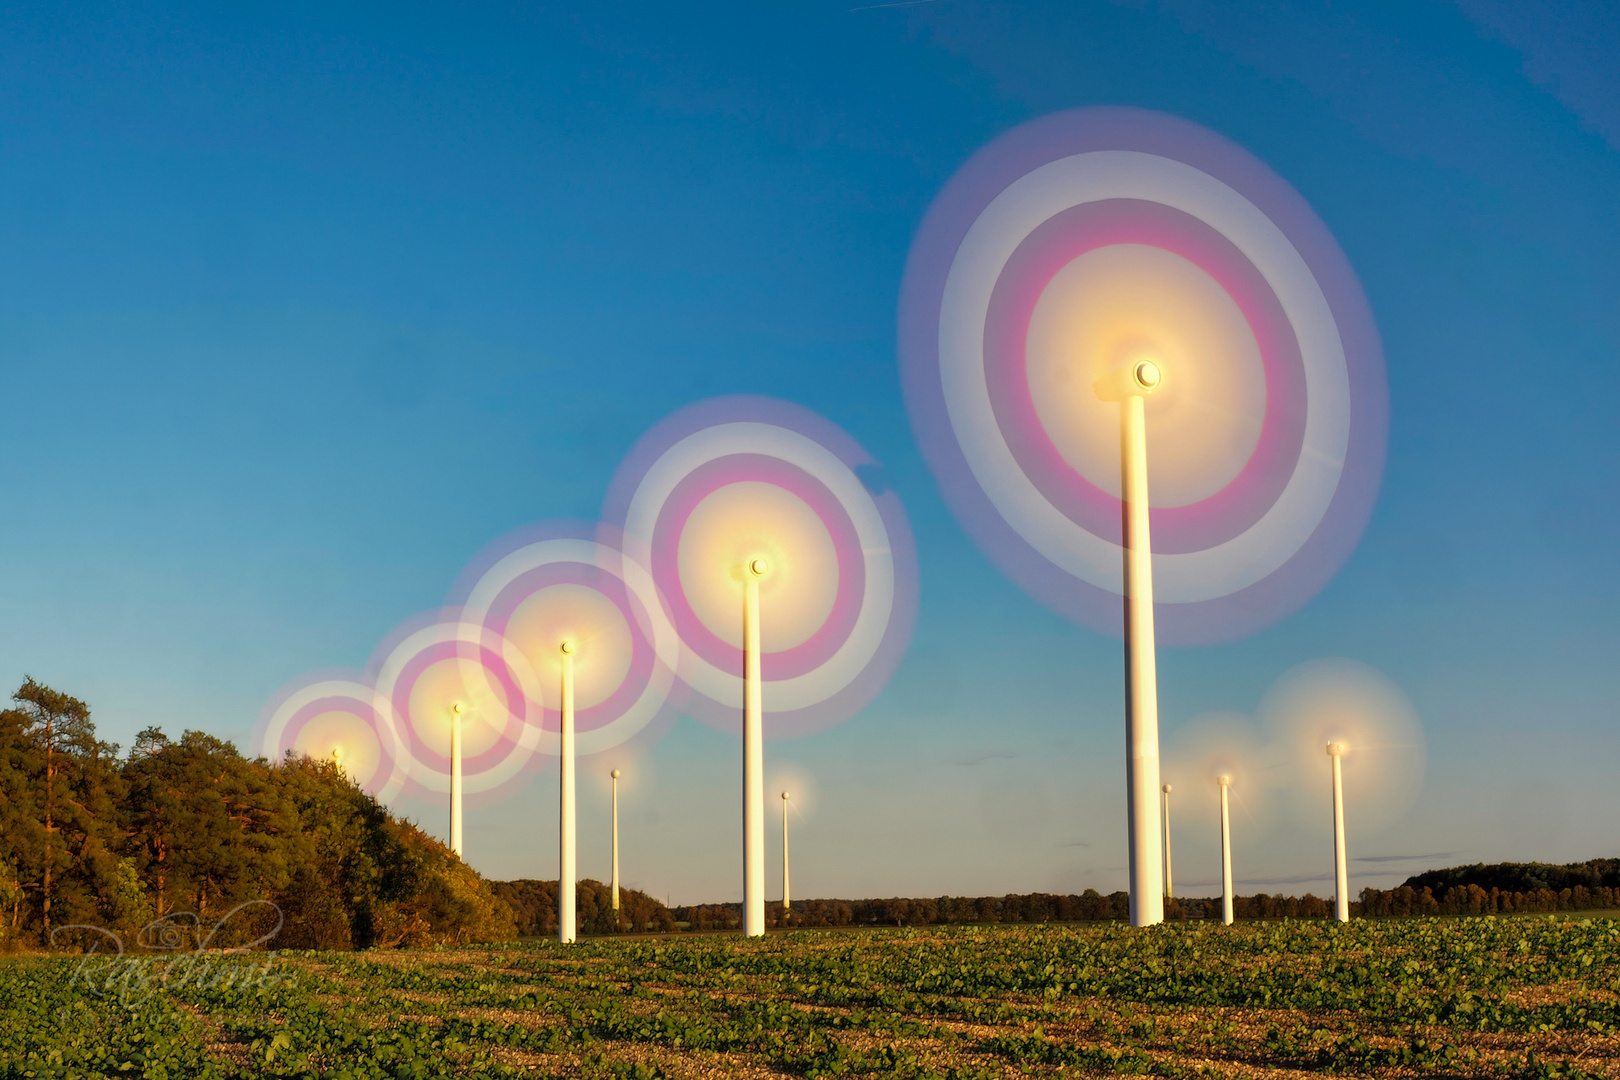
[[573, 608], [789, 577], [1094, 274]]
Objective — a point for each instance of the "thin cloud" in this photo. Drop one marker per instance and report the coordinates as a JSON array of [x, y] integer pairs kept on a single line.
[[1407, 858], [1251, 883], [1305, 880], [898, 3], [970, 760]]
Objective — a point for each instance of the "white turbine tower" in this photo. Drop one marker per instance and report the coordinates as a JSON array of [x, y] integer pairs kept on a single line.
[[1168, 877], [753, 757], [1130, 386], [1341, 879], [786, 901], [567, 853], [614, 777], [1225, 782], [456, 709]]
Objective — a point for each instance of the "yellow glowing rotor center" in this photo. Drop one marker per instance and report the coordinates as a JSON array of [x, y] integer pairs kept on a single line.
[[456, 688], [757, 528], [579, 622], [343, 737], [1190, 352]]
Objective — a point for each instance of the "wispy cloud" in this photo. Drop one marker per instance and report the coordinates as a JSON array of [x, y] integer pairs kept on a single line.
[[969, 760], [1244, 887], [1308, 879], [898, 3], [1407, 858]]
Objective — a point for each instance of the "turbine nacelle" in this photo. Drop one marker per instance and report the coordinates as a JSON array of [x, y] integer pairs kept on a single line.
[[1138, 379]]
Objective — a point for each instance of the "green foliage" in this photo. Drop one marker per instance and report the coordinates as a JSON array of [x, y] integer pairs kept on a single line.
[[189, 825], [59, 788], [207, 825], [1090, 906], [1438, 998], [53, 1028], [1522, 877], [1466, 898], [535, 906], [1469, 898]]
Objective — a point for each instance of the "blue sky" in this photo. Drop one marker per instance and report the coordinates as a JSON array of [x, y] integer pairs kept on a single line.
[[299, 309]]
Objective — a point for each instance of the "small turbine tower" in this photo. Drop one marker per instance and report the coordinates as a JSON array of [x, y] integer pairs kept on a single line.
[[1224, 781], [1167, 886], [614, 777], [785, 900], [1341, 878]]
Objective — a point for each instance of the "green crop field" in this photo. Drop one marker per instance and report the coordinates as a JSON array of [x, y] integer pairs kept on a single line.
[[1453, 997]]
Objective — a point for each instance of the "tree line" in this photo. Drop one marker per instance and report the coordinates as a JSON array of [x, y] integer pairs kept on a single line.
[[534, 905], [180, 831], [1531, 877], [1499, 889], [1089, 906], [1502, 889]]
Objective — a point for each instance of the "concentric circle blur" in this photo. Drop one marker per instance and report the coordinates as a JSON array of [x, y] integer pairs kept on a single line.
[[426, 671], [724, 483], [1343, 701], [1089, 241], [1215, 744], [333, 717], [560, 583]]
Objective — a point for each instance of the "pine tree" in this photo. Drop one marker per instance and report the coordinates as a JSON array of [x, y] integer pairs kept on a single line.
[[61, 786], [208, 827]]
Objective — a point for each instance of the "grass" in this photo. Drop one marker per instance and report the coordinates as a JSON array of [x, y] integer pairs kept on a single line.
[[1451, 997]]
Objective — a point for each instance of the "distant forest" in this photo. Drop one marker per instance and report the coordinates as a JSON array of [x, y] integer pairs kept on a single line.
[[188, 827], [1502, 889]]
